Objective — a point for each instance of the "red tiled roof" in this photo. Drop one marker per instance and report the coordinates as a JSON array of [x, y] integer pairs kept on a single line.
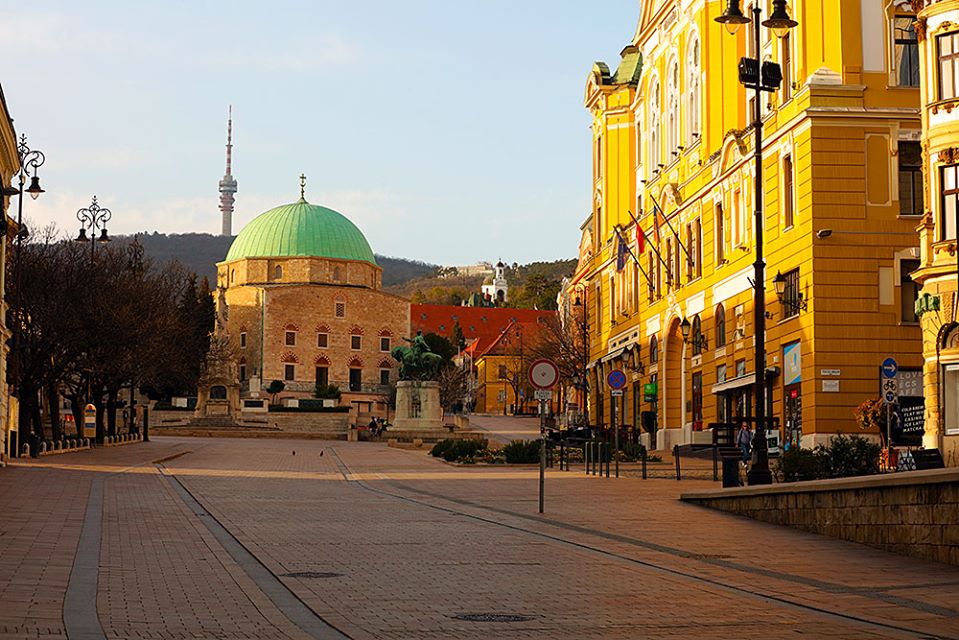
[[481, 326], [475, 322]]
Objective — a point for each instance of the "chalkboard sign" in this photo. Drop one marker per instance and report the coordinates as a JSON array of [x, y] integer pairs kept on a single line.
[[908, 425]]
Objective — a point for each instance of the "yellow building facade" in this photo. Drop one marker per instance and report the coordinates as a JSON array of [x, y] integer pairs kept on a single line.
[[9, 166], [938, 29], [842, 188]]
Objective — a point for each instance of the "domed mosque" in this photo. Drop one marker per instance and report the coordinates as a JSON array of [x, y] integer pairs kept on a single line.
[[300, 296]]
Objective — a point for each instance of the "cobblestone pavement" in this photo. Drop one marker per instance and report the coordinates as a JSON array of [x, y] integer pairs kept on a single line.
[[388, 543]]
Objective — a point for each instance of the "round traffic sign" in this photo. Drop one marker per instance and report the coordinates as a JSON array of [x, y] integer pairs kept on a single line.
[[543, 374], [616, 379], [890, 368]]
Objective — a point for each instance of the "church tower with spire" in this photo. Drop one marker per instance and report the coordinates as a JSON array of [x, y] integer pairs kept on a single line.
[[228, 182]]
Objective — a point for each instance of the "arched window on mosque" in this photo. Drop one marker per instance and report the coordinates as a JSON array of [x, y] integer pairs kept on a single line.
[[277, 272], [336, 274]]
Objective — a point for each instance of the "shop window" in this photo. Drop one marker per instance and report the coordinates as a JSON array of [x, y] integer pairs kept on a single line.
[[950, 382], [697, 380], [908, 291], [910, 178]]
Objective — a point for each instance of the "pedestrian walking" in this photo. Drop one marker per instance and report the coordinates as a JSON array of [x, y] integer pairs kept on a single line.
[[745, 442]]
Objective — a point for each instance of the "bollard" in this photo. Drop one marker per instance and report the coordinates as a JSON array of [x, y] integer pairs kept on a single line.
[[676, 456], [644, 463], [715, 463]]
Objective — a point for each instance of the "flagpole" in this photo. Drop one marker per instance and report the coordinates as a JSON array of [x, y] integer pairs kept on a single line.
[[655, 249], [689, 258], [619, 234]]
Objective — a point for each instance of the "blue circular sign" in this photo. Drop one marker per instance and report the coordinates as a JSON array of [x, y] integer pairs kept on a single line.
[[616, 379], [889, 368]]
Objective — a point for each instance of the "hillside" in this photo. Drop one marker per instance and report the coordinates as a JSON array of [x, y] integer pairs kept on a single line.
[[199, 252], [531, 286]]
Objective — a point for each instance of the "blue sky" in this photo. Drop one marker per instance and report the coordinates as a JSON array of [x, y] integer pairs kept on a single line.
[[448, 131]]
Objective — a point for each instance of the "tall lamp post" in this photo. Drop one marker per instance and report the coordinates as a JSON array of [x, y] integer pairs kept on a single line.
[[135, 262], [766, 77], [584, 325], [30, 161], [93, 217]]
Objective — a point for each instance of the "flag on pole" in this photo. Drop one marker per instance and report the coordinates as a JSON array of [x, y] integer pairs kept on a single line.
[[640, 240], [620, 251], [657, 213]]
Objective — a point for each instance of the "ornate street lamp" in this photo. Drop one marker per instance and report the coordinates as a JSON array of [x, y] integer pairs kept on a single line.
[[584, 325], [766, 77], [30, 161], [93, 217]]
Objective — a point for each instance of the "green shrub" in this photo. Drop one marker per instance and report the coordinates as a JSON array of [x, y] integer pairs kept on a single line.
[[459, 450], [844, 457], [327, 392], [522, 452], [847, 457], [800, 464]]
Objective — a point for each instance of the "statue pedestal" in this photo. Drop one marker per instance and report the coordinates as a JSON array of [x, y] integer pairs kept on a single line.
[[417, 406]]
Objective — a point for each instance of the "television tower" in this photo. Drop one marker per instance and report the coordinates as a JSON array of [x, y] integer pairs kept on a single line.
[[228, 182]]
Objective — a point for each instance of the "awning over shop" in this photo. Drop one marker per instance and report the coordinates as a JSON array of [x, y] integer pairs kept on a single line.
[[612, 356], [735, 383]]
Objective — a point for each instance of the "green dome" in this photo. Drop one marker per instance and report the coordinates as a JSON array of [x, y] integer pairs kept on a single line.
[[301, 229]]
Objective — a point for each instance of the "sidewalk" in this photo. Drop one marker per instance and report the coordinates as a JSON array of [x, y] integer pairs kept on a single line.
[[387, 543]]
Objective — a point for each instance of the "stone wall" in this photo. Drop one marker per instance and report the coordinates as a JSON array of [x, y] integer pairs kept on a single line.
[[914, 513]]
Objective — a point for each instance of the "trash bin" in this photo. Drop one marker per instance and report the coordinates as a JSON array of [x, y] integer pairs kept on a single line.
[[730, 472]]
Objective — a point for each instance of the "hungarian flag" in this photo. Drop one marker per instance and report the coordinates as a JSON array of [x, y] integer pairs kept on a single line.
[[640, 240]]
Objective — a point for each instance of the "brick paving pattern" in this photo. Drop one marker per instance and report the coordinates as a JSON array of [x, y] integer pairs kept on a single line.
[[388, 543]]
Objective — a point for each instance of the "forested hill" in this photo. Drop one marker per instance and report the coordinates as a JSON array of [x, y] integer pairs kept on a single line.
[[199, 252]]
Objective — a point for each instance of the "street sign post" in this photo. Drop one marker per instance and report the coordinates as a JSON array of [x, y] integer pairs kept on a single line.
[[889, 388], [543, 375], [616, 381]]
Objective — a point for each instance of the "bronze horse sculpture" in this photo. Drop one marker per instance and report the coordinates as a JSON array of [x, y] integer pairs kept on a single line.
[[417, 361]]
